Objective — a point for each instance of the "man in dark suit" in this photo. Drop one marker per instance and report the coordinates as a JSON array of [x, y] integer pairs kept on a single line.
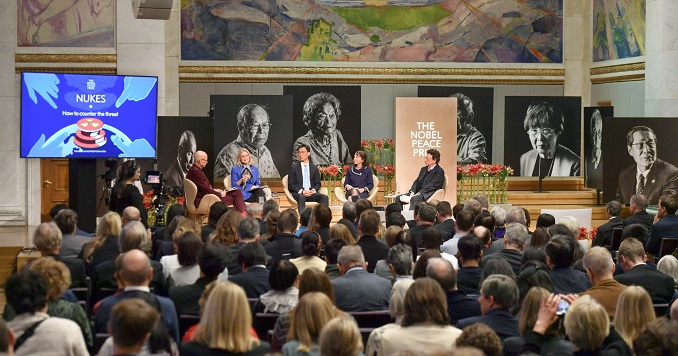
[[372, 250], [559, 258], [650, 176], [445, 221], [247, 232], [498, 296], [197, 176], [431, 178], [425, 219], [47, 239], [357, 289], [666, 224], [514, 242], [469, 255], [459, 306], [638, 213], [636, 272], [304, 180], [67, 221], [254, 279], [285, 245], [604, 235]]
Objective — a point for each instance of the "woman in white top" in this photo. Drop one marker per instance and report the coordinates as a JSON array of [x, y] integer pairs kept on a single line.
[[188, 247], [171, 262], [310, 248]]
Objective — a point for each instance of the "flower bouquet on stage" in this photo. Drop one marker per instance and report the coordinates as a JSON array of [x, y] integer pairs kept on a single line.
[[490, 180]]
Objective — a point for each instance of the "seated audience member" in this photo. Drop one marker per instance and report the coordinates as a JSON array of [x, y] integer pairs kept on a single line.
[[514, 242], [552, 342], [356, 289], [666, 224], [321, 217], [59, 207], [343, 232], [132, 322], [424, 219], [284, 292], [515, 214], [499, 215], [485, 237], [57, 277], [135, 274], [571, 223], [225, 325], [482, 337], [396, 308], [432, 239], [382, 269], [637, 212], [310, 248], [27, 293], [631, 257], [422, 263], [360, 206], [669, 266], [395, 219], [167, 250], [497, 266], [473, 206], [634, 311], [188, 246], [348, 211], [600, 268], [485, 219], [130, 214], [212, 260], [498, 296], [463, 223], [269, 206], [540, 237], [658, 338], [559, 258], [604, 235], [255, 277], [67, 221], [217, 210], [47, 239], [162, 238], [247, 232], [312, 312], [341, 337], [271, 220], [390, 234], [545, 220], [304, 219], [469, 255], [104, 245], [459, 306], [444, 219], [399, 260], [484, 202], [532, 254], [426, 324], [533, 274], [284, 244], [226, 231], [586, 326], [331, 250], [372, 250]]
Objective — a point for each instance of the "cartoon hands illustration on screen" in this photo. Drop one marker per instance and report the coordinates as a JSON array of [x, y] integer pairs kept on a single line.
[[136, 88], [55, 145], [45, 84], [130, 148]]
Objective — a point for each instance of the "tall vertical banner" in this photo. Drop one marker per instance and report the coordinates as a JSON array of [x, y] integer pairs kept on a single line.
[[422, 124]]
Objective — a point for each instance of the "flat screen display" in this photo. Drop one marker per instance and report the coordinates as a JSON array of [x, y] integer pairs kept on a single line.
[[88, 116]]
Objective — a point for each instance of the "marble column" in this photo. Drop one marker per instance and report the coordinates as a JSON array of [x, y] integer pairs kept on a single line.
[[661, 51], [577, 50]]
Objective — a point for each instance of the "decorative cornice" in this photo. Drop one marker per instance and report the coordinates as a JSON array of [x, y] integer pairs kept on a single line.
[[383, 80], [619, 78], [631, 67], [78, 70], [65, 58]]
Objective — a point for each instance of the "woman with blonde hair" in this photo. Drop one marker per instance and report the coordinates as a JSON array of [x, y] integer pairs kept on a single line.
[[342, 232], [340, 337], [171, 262], [224, 326], [314, 310], [226, 231], [104, 245], [634, 311]]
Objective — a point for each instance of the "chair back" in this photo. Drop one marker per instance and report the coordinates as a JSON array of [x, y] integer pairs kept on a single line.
[[440, 193], [616, 239], [372, 319], [99, 339], [289, 196], [669, 244], [227, 181], [263, 322], [191, 191], [186, 321]]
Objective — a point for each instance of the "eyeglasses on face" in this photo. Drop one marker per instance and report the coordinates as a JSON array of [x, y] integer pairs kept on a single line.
[[255, 128], [543, 131], [642, 145]]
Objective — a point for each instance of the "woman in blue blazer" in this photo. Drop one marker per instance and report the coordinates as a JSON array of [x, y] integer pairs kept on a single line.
[[244, 177], [358, 182]]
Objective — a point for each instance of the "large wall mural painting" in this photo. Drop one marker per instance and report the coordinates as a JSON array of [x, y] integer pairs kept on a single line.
[[618, 29], [503, 31]]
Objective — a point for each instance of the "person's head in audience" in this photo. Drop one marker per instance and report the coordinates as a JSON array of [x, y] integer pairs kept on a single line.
[[425, 302], [480, 336], [393, 208], [432, 238], [515, 214], [469, 250], [405, 237], [184, 226], [332, 248], [497, 266], [540, 237], [288, 221], [310, 244], [67, 221], [559, 252], [390, 235], [599, 264], [348, 211], [529, 311], [369, 222], [109, 225], [444, 211], [312, 312], [464, 221], [305, 217], [284, 275], [545, 220], [212, 260], [26, 292], [636, 231], [667, 205], [130, 214], [560, 229], [533, 274], [637, 203], [571, 223], [230, 333], [515, 237], [362, 205], [534, 254], [399, 259], [269, 206], [351, 227], [658, 338], [272, 222], [613, 209], [473, 206], [251, 254], [634, 311], [456, 209], [422, 263], [56, 274], [631, 253], [485, 219], [321, 216], [226, 231], [341, 231], [188, 247], [350, 256], [396, 305], [426, 216], [56, 209], [315, 280], [418, 206], [131, 323], [442, 271], [483, 235], [498, 292], [499, 215], [669, 266], [341, 337], [135, 269], [217, 210], [47, 238], [171, 227], [483, 200], [6, 339], [133, 236], [254, 210], [586, 324], [248, 230], [395, 219]]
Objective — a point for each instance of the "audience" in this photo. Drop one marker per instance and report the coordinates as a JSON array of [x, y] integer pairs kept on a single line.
[[498, 296], [47, 239], [540, 237], [131, 325], [67, 221], [321, 217], [533, 274], [104, 245], [271, 222], [310, 248], [514, 242], [669, 266], [170, 258], [284, 293], [422, 263], [400, 263], [459, 306], [631, 257], [600, 269], [432, 238], [188, 247], [469, 255], [255, 277], [444, 219], [515, 214], [463, 224], [217, 210], [356, 289], [666, 224], [226, 231], [637, 212], [284, 244], [559, 258], [341, 231], [545, 220], [658, 338], [499, 215], [634, 311], [313, 311], [373, 250], [482, 337], [331, 250], [304, 219], [604, 235], [340, 337], [396, 308]]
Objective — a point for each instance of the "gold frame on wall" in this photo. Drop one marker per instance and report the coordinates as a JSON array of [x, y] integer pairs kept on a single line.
[[66, 63], [616, 73]]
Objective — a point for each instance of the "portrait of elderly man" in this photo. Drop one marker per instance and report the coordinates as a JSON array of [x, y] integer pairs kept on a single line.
[[253, 124], [544, 123], [594, 153], [320, 114], [470, 141], [177, 171], [649, 175]]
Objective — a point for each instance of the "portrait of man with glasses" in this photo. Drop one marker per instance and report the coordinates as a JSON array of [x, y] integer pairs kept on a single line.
[[649, 176], [544, 123]]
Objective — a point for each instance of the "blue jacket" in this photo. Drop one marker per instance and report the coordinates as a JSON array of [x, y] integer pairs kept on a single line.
[[236, 174]]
